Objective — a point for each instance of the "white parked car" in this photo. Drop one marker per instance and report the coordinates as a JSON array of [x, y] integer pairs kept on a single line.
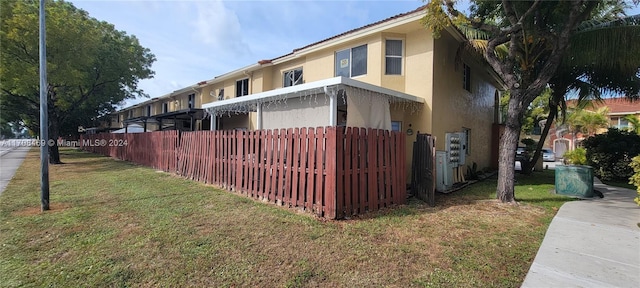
[[548, 155]]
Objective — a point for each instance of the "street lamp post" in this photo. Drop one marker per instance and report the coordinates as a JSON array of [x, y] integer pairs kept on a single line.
[[44, 122]]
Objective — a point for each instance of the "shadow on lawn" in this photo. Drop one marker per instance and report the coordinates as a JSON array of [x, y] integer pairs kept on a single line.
[[479, 192]]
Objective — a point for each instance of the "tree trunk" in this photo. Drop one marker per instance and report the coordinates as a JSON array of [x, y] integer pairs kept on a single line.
[[553, 111], [54, 133], [508, 144]]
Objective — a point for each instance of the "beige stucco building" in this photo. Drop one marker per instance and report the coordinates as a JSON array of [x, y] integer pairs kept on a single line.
[[391, 74]]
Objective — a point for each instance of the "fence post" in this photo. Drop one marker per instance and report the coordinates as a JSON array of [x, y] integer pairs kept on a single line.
[[330, 192]]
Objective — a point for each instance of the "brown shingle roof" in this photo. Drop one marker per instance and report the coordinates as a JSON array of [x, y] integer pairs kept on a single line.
[[616, 105]]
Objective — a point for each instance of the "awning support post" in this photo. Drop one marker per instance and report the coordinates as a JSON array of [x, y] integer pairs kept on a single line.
[[214, 122], [333, 108], [259, 115]]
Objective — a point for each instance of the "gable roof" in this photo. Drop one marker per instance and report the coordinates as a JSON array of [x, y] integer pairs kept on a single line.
[[401, 15], [617, 106]]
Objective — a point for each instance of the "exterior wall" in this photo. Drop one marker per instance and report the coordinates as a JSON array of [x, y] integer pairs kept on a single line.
[[277, 71], [459, 109], [321, 65], [296, 114], [208, 94], [232, 122]]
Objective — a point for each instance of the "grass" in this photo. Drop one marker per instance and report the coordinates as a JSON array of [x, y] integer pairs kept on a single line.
[[116, 224]]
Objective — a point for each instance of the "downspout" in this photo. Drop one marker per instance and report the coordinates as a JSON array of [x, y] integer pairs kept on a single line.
[[259, 116], [333, 107], [214, 121]]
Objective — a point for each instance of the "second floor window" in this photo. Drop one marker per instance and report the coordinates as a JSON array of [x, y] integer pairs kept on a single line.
[[192, 101], [148, 110], [351, 62], [242, 87], [466, 77], [393, 57], [165, 107], [293, 77], [221, 94]]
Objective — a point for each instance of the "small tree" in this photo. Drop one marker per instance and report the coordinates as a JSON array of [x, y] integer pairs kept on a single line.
[[635, 178]]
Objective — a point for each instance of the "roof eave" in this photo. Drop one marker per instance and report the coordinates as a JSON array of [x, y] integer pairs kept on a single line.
[[348, 37]]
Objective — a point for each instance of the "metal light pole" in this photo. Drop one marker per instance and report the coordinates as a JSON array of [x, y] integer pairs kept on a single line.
[[44, 121]]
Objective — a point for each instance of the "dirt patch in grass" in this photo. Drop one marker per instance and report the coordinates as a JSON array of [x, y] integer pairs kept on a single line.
[[133, 226], [53, 208]]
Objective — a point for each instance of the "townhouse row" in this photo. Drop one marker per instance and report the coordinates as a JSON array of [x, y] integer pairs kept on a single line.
[[391, 74]]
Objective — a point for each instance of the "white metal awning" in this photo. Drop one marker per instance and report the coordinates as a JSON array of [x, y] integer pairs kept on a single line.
[[329, 88], [250, 103]]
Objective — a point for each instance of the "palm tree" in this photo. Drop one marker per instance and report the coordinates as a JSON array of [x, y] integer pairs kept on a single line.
[[635, 123], [602, 59], [588, 122]]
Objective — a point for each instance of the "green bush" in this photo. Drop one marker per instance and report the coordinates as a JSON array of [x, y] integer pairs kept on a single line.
[[635, 178], [610, 153], [576, 156]]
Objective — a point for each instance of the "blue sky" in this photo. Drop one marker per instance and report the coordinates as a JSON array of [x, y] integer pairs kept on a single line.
[[198, 40]]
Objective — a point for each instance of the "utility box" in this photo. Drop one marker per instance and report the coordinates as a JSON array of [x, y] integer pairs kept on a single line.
[[574, 180], [456, 146], [444, 172]]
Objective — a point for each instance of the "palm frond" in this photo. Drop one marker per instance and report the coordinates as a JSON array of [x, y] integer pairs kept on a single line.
[[472, 33]]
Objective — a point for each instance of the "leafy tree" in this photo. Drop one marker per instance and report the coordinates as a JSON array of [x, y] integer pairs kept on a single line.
[[6, 130], [524, 42], [538, 111], [91, 66], [610, 67]]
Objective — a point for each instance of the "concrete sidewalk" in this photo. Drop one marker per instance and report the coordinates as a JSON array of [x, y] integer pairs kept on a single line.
[[591, 243], [10, 159]]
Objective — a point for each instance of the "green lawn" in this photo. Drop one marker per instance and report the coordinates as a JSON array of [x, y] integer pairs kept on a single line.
[[117, 224]]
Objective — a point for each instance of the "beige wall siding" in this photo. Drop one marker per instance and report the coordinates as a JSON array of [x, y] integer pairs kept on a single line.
[[278, 71], [296, 113], [458, 108]]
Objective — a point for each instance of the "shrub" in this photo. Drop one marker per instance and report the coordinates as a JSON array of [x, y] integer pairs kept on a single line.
[[635, 178], [610, 153], [576, 156]]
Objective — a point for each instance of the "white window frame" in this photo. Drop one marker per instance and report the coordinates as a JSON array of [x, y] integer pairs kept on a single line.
[[335, 57], [191, 101], [294, 81], [247, 90], [401, 56], [466, 77]]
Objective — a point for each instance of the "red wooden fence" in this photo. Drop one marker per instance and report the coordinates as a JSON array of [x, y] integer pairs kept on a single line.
[[333, 171], [153, 149]]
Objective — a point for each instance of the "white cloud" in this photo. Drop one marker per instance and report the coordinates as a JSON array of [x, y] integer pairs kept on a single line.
[[219, 28]]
